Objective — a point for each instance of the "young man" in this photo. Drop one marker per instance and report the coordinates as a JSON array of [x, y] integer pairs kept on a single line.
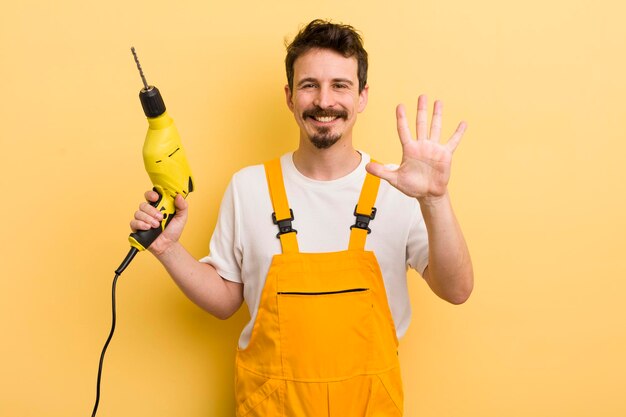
[[327, 302]]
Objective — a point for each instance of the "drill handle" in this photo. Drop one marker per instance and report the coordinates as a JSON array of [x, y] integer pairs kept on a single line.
[[142, 239]]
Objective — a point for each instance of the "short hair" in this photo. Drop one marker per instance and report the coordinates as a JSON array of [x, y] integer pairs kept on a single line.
[[323, 34]]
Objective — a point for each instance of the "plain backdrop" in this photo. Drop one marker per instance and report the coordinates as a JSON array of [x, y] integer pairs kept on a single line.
[[537, 183]]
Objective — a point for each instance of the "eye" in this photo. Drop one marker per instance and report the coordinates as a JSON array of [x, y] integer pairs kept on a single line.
[[307, 86]]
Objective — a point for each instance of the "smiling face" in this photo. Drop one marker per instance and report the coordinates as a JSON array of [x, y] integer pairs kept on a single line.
[[325, 99]]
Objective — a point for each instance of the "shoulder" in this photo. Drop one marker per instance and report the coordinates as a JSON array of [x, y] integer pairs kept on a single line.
[[256, 173], [248, 186], [249, 173], [249, 179]]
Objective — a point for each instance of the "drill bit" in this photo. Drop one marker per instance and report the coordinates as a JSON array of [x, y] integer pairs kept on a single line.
[[145, 83]]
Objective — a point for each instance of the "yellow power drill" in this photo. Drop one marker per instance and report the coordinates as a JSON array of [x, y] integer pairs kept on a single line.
[[165, 162]]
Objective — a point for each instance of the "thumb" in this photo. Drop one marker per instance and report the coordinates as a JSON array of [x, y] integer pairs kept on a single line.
[[381, 171], [181, 203]]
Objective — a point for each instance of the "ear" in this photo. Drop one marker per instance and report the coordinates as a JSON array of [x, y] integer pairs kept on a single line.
[[288, 97], [363, 98]]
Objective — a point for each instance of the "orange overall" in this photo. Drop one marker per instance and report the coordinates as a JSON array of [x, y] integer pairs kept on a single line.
[[323, 343]]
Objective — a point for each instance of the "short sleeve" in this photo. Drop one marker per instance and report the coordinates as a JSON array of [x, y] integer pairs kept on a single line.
[[417, 242], [225, 248]]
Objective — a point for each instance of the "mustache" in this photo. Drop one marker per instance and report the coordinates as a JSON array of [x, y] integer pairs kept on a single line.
[[319, 112]]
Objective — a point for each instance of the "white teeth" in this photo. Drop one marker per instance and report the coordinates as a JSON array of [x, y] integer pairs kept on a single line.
[[325, 119]]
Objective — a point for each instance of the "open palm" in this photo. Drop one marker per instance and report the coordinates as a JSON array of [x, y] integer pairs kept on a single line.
[[425, 168]]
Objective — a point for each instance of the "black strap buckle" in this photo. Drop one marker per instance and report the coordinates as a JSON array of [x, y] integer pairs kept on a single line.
[[363, 220], [284, 226]]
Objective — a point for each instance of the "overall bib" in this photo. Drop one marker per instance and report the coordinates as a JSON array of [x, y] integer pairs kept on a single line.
[[323, 343]]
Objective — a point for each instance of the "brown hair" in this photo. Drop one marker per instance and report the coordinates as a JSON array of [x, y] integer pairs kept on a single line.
[[340, 38]]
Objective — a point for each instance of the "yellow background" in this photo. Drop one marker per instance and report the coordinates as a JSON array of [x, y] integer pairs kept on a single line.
[[538, 185]]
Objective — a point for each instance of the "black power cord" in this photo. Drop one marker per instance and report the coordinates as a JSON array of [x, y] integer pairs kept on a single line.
[[129, 257], [104, 349]]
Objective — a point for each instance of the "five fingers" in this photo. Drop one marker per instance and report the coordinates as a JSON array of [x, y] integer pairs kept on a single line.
[[423, 132]]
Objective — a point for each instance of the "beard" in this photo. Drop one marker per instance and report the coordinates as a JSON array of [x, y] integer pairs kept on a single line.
[[324, 138]]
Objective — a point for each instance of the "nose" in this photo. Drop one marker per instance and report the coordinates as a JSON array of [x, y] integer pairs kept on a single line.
[[324, 98]]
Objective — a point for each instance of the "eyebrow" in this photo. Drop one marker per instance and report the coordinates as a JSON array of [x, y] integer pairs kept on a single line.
[[311, 79]]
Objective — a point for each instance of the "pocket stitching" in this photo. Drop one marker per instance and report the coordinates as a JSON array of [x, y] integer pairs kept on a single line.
[[391, 395], [258, 396]]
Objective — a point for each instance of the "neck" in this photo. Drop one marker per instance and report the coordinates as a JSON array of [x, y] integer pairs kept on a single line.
[[326, 164]]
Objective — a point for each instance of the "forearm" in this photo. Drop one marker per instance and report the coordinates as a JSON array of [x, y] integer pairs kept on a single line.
[[200, 282], [449, 272]]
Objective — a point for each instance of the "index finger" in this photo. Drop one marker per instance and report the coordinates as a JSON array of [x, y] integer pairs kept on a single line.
[[402, 125], [456, 137], [151, 195]]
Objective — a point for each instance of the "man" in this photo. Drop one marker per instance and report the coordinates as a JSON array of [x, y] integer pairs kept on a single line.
[[327, 295]]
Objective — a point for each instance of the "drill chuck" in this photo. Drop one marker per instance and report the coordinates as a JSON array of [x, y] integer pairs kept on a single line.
[[152, 102]]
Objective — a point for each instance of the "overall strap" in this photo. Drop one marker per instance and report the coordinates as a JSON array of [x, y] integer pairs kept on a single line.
[[364, 212], [282, 215]]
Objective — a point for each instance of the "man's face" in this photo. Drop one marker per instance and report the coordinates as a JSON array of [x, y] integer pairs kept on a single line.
[[325, 99]]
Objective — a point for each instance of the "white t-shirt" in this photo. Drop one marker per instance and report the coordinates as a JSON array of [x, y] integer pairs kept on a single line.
[[244, 240]]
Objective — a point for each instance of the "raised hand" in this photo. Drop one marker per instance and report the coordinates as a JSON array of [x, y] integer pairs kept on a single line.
[[425, 168]]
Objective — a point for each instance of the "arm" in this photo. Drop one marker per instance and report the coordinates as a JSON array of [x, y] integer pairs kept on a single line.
[[424, 174], [449, 272], [200, 282]]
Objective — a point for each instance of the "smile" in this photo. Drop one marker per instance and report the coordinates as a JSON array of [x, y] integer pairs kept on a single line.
[[324, 116], [325, 119]]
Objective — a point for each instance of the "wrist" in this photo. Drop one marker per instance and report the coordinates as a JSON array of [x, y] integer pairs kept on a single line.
[[164, 250], [434, 202]]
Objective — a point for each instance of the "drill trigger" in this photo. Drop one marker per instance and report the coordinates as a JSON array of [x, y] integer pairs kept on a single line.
[[156, 203]]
